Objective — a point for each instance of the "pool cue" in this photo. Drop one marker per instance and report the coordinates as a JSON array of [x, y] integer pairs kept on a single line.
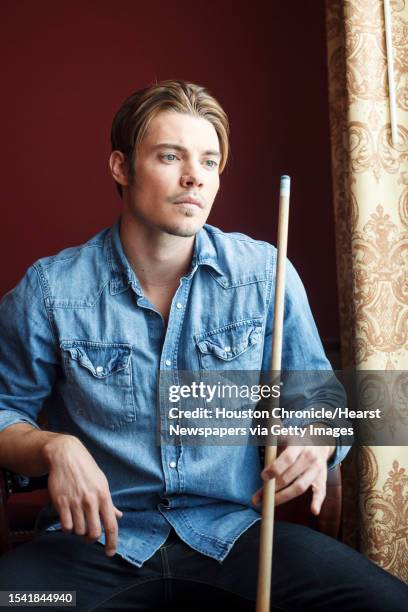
[[263, 596]]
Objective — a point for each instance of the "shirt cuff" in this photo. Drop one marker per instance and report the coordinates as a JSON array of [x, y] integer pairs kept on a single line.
[[12, 417]]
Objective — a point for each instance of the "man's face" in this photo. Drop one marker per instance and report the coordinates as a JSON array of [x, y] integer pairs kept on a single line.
[[176, 174]]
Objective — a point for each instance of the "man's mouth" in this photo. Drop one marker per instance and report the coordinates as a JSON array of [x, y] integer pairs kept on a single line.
[[188, 200]]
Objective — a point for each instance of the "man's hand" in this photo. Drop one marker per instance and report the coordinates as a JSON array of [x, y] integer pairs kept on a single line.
[[80, 492], [296, 469]]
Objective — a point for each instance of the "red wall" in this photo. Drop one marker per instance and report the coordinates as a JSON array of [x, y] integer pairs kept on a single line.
[[67, 65]]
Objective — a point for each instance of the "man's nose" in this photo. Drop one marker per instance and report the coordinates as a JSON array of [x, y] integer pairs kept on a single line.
[[191, 176]]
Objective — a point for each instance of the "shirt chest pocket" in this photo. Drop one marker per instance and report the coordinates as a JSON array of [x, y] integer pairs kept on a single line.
[[99, 382], [237, 346]]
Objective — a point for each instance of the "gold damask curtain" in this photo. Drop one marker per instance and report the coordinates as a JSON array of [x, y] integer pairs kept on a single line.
[[370, 182]]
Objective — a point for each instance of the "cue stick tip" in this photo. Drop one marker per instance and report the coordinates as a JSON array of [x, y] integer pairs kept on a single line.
[[285, 184]]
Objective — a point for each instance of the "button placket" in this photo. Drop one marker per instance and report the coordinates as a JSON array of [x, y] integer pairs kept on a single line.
[[170, 453]]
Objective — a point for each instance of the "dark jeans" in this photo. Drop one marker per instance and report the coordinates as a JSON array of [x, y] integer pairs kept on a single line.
[[310, 572]]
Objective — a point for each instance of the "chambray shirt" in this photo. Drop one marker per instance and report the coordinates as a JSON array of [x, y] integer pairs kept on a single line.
[[79, 339]]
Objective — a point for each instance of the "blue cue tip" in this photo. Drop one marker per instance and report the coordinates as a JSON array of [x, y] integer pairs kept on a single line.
[[285, 184]]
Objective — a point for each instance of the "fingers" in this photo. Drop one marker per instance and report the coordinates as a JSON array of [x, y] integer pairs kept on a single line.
[[298, 487], [303, 462], [293, 462], [94, 530], [108, 516], [80, 493], [319, 493], [297, 469], [86, 520], [94, 522], [65, 515], [284, 462], [108, 513], [79, 523], [316, 482]]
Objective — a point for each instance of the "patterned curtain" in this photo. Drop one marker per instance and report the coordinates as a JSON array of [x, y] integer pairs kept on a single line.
[[370, 182]]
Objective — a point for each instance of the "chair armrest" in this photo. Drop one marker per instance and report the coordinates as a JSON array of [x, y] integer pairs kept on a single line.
[[17, 521], [15, 483]]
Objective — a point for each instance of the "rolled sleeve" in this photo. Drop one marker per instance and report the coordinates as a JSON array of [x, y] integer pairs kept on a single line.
[[28, 358], [339, 454]]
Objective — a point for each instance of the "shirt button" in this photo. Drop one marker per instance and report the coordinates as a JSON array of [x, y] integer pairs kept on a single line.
[[99, 369], [227, 349], [179, 305], [168, 362], [173, 464]]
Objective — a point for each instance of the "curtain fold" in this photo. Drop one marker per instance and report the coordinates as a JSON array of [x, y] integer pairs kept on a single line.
[[370, 188]]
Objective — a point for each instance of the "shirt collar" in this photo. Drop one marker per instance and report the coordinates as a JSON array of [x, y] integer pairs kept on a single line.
[[123, 275], [205, 251]]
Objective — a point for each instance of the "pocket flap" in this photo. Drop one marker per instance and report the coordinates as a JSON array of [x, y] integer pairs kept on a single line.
[[101, 359], [231, 340]]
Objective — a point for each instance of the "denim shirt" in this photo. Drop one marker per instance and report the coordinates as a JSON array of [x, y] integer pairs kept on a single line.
[[80, 339]]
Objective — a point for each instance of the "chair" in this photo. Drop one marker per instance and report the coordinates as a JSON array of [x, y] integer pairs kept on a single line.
[[21, 503]]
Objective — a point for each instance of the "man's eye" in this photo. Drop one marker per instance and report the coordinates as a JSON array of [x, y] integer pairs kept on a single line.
[[169, 156], [210, 163]]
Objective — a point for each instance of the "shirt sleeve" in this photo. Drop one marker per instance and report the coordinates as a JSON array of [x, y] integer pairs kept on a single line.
[[307, 375], [28, 359]]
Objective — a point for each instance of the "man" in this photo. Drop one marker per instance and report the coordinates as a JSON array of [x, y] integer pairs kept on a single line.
[[85, 334]]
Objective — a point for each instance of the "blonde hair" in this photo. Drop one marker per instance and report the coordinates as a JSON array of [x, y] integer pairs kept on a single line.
[[137, 111]]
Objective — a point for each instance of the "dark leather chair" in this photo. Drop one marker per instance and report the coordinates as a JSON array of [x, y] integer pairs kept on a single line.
[[20, 504]]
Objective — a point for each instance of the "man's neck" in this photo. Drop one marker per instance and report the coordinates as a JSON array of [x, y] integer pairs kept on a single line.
[[159, 260]]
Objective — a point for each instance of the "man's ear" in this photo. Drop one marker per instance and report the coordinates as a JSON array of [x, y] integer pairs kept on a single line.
[[119, 168]]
